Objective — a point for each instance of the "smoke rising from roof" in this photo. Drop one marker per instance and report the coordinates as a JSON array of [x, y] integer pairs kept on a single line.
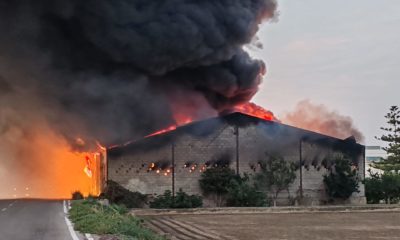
[[104, 70], [320, 119]]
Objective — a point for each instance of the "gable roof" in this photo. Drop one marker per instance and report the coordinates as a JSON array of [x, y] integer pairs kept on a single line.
[[208, 126]]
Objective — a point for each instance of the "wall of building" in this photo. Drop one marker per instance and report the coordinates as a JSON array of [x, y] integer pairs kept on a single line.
[[150, 171]]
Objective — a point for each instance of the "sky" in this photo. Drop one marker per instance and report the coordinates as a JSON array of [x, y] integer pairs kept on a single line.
[[343, 54]]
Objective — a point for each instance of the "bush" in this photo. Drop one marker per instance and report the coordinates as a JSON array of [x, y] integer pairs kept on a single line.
[[373, 189], [77, 195], [91, 217], [242, 194], [181, 200], [117, 194], [342, 181], [275, 176], [391, 187], [225, 185], [383, 187], [216, 182]]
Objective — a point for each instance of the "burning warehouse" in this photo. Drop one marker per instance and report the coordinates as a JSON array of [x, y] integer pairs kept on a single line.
[[237, 140], [78, 74]]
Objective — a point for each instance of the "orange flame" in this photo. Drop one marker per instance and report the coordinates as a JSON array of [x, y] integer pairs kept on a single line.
[[179, 121], [254, 110], [53, 168], [168, 129], [251, 109]]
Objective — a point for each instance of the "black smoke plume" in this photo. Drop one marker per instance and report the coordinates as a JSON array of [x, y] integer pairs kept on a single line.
[[110, 70]]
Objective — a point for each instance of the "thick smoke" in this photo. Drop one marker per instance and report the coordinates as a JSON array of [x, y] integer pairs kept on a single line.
[[112, 70], [319, 119]]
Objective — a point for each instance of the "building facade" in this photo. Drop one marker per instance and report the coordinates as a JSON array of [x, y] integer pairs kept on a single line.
[[176, 159]]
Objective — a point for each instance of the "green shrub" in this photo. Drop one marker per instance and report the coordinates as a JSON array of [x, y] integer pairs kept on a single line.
[[391, 187], [383, 187], [373, 189], [216, 181], [342, 180], [163, 201], [181, 200], [117, 194], [77, 195], [242, 194], [275, 176], [91, 217]]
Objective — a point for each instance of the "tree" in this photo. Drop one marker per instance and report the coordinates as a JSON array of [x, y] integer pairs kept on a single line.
[[215, 181], [342, 180], [275, 176], [392, 162], [382, 187], [391, 187], [373, 188], [242, 193]]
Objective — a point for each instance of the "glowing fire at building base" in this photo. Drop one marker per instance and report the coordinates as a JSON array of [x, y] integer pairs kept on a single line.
[[51, 169]]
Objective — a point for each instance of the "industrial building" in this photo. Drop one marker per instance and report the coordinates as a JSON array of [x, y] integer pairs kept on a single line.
[[175, 160]]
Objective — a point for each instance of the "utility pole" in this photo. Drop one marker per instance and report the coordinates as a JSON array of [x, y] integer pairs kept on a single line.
[[301, 168], [173, 168], [237, 149]]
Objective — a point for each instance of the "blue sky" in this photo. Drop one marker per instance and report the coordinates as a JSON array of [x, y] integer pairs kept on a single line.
[[343, 54]]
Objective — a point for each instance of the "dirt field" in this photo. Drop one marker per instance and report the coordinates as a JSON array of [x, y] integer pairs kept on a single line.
[[307, 226]]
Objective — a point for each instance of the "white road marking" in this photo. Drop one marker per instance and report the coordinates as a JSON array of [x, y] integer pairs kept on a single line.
[[65, 207], [69, 224], [89, 236], [9, 205]]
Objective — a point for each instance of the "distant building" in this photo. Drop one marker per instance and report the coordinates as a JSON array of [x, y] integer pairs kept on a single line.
[[373, 154]]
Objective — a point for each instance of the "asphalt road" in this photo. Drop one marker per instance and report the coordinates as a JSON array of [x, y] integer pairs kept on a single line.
[[33, 220]]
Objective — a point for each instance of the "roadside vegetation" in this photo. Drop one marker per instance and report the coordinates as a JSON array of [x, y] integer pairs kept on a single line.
[[117, 194], [89, 216], [384, 186], [392, 139], [180, 200]]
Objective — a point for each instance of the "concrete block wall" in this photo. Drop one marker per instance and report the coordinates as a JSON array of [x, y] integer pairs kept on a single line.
[[132, 170]]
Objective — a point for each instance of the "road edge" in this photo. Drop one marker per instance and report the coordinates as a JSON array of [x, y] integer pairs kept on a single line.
[[66, 207]]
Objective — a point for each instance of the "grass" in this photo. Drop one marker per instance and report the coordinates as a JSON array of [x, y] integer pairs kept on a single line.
[[89, 216]]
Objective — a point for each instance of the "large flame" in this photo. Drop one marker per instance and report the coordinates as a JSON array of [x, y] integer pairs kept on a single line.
[[250, 108], [51, 169], [56, 170]]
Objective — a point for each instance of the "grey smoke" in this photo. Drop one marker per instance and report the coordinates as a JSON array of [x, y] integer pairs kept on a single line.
[[318, 118], [105, 70]]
